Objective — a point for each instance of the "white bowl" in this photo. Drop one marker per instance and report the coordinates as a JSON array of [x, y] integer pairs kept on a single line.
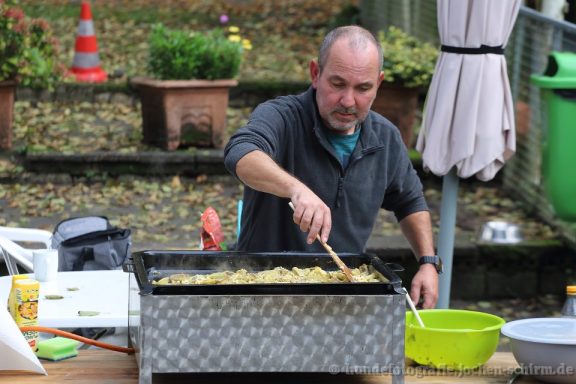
[[544, 347], [501, 232]]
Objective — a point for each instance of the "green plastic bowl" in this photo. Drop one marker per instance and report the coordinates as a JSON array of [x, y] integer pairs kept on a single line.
[[452, 339]]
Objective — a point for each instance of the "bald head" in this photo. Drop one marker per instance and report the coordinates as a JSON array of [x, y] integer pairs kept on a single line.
[[358, 39]]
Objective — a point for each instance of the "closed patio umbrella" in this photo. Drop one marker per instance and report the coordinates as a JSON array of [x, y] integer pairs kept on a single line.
[[468, 128]]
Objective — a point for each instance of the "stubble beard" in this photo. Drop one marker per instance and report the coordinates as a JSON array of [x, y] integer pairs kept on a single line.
[[339, 126]]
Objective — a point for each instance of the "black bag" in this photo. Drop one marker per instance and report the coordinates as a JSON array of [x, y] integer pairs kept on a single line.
[[90, 243]]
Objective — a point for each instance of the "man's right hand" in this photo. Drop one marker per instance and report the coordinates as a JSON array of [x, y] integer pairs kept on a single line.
[[257, 170], [312, 215]]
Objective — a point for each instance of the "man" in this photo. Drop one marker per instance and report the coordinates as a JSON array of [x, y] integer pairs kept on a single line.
[[334, 159]]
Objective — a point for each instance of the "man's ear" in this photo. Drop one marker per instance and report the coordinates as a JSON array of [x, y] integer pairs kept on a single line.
[[380, 78], [314, 73]]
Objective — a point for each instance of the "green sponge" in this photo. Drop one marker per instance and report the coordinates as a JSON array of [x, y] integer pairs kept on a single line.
[[57, 348]]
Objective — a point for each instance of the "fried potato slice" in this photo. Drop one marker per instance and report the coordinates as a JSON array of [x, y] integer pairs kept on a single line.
[[280, 275]]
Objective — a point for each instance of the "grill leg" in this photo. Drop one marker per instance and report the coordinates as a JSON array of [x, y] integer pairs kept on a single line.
[[144, 376], [144, 359], [398, 378]]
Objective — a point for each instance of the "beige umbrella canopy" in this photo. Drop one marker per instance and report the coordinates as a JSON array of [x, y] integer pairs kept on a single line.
[[468, 128], [469, 114]]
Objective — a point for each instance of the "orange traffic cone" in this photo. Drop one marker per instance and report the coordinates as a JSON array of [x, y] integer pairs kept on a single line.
[[86, 63]]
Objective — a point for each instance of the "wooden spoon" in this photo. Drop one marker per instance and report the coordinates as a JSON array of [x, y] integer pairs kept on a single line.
[[337, 260]]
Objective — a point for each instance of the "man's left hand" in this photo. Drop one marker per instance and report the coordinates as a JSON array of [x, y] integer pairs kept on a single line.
[[425, 286]]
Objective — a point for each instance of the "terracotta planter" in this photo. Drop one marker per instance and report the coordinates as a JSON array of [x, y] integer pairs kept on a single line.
[[184, 112], [522, 118], [399, 105], [7, 92]]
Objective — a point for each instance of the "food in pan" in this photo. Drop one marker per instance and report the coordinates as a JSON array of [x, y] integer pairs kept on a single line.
[[362, 274]]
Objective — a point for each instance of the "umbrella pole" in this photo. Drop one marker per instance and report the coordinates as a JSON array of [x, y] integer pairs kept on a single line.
[[448, 209]]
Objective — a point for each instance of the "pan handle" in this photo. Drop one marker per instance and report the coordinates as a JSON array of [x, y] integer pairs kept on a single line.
[[397, 282], [395, 267], [128, 265], [388, 272], [137, 265]]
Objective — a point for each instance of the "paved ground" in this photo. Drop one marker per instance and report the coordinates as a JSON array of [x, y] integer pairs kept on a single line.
[[165, 211]]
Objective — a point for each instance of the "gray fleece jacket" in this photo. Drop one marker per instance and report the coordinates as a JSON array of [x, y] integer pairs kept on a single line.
[[290, 130]]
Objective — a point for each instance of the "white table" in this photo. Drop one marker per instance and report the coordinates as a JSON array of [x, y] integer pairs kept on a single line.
[[105, 292]]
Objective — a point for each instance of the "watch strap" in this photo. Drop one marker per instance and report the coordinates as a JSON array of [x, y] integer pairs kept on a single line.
[[435, 260]]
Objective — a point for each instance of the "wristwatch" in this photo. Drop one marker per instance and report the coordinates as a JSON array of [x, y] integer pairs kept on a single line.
[[436, 260]]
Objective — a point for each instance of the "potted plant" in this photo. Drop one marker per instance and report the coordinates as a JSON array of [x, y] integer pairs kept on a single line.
[[28, 57], [408, 68], [185, 100]]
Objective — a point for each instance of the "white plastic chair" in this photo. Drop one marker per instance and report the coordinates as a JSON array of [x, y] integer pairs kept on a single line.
[[15, 253]]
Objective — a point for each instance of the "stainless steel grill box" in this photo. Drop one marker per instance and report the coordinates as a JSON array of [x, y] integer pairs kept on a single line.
[[330, 327]]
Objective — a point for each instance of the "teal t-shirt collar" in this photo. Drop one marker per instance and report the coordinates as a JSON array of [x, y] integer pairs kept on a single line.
[[343, 144]]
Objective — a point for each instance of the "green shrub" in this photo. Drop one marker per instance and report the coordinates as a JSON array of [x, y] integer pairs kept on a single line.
[[181, 55], [28, 49], [407, 60]]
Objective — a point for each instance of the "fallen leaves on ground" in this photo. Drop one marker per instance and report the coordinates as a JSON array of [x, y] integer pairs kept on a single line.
[[478, 203], [159, 211], [68, 128]]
